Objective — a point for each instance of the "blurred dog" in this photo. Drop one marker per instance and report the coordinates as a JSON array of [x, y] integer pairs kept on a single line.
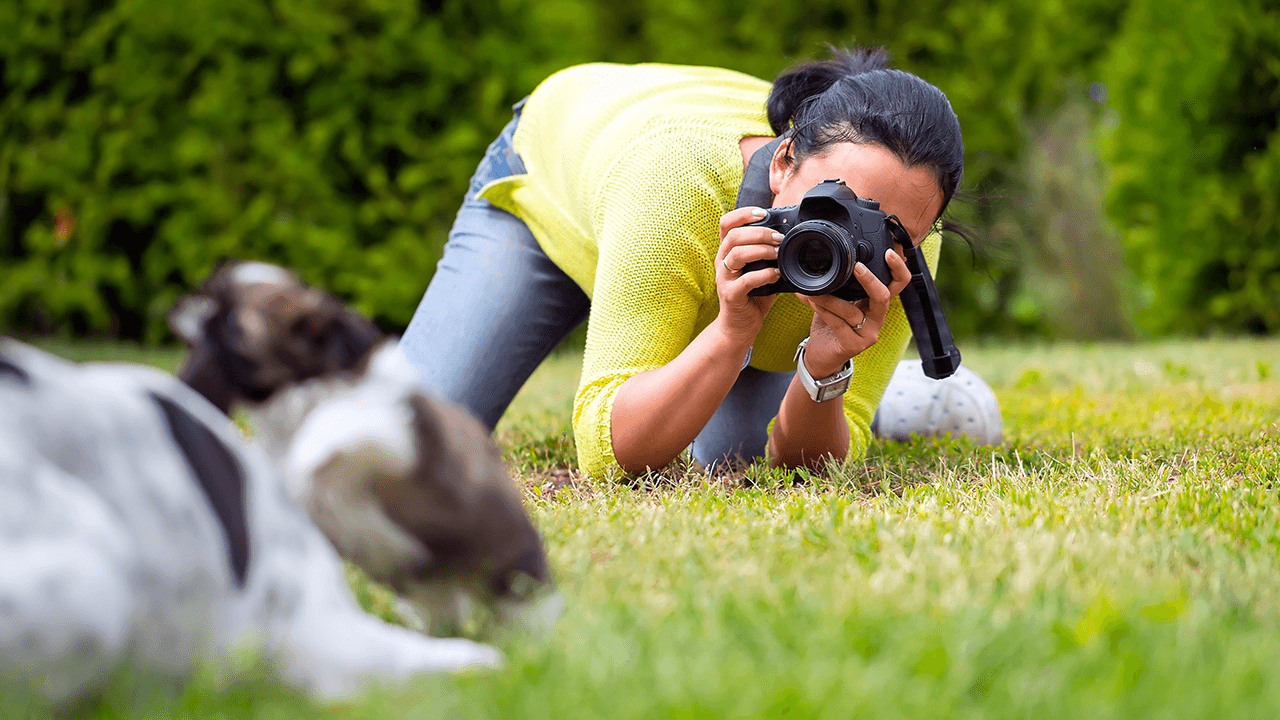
[[409, 487], [137, 527]]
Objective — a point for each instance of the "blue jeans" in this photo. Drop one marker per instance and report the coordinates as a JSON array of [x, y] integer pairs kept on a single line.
[[497, 306]]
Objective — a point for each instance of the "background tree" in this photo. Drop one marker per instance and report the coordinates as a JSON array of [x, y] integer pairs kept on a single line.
[[142, 142]]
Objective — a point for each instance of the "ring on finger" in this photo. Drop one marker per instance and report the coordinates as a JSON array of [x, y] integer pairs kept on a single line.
[[725, 262], [861, 322]]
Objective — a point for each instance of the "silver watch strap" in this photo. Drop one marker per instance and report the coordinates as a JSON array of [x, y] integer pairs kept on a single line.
[[827, 388]]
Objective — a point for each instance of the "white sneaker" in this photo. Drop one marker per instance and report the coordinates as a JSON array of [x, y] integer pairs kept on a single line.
[[962, 404]]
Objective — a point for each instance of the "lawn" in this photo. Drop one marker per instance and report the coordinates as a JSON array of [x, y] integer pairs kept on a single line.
[[1118, 557]]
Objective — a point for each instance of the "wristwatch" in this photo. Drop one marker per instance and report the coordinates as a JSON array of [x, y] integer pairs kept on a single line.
[[827, 388]]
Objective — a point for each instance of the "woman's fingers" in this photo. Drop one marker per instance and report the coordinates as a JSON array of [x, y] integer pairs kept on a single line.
[[751, 236], [898, 269], [843, 329], [734, 278], [833, 336], [737, 257], [741, 244], [735, 230], [845, 332], [878, 295], [857, 315], [739, 217]]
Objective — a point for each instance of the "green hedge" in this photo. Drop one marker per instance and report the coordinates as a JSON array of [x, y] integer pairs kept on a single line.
[[1196, 161], [334, 137], [143, 141]]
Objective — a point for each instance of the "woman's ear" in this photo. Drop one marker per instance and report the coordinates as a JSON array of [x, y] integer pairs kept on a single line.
[[780, 166]]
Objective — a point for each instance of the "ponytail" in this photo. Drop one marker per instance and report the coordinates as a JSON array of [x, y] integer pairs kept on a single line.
[[855, 97], [800, 83]]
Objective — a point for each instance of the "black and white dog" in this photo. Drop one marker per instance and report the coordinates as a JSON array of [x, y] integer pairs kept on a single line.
[[138, 527], [407, 486]]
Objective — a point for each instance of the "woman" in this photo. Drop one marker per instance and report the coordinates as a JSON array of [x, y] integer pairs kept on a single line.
[[611, 196]]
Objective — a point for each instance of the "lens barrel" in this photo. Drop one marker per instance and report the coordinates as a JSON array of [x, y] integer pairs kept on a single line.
[[817, 257]]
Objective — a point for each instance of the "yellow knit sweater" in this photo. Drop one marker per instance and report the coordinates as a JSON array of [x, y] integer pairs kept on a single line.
[[629, 168]]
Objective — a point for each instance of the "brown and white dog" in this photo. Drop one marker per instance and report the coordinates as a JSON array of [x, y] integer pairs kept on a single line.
[[409, 487], [138, 529]]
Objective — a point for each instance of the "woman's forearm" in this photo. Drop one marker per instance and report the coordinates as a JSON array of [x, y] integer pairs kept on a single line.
[[657, 413], [807, 433]]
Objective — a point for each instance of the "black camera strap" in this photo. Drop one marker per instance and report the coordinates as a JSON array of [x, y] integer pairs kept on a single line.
[[939, 356], [755, 190]]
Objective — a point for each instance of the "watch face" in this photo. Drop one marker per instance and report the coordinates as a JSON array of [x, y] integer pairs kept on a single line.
[[832, 391], [828, 388]]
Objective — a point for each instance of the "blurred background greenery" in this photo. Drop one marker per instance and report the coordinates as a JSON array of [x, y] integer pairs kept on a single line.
[[1123, 161]]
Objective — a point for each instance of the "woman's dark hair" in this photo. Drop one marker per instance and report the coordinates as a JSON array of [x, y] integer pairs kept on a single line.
[[855, 97]]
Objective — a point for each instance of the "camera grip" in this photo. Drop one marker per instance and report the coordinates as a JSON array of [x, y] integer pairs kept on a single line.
[[772, 288]]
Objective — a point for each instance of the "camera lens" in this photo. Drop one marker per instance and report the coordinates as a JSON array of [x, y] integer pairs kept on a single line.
[[814, 258], [817, 257]]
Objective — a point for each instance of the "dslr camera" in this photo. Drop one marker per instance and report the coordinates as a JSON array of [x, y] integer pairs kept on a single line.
[[830, 231]]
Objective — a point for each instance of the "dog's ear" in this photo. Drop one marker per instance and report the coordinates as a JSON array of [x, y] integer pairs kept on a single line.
[[334, 337], [188, 318], [356, 336]]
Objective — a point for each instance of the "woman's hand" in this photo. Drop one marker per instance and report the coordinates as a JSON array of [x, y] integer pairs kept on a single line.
[[742, 315], [841, 329]]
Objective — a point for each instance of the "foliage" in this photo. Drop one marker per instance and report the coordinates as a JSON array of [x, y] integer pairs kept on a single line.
[[1072, 274], [1196, 161], [142, 141]]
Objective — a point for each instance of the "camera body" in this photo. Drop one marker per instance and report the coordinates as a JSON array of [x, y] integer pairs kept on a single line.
[[829, 232]]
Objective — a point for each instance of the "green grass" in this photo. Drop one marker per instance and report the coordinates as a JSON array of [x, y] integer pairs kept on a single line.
[[165, 358], [1119, 557]]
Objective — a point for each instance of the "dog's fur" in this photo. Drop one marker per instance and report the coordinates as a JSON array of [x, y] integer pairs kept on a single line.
[[409, 487], [138, 527]]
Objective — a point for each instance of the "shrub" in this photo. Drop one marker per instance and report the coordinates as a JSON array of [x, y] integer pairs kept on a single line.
[[142, 141], [145, 141], [1196, 162]]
